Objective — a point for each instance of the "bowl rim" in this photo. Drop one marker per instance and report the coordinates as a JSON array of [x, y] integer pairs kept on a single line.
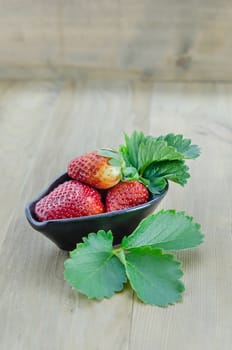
[[41, 224]]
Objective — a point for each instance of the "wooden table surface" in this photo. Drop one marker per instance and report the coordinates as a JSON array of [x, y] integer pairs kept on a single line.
[[45, 124]]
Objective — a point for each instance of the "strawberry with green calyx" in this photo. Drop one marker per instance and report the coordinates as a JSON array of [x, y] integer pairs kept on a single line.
[[126, 195], [155, 160], [94, 170], [151, 160], [70, 199], [128, 172]]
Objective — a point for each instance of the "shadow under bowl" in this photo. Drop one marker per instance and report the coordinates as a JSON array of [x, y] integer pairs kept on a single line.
[[66, 233]]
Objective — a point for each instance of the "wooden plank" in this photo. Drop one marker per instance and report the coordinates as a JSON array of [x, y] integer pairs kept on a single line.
[[29, 33], [25, 110], [38, 309], [203, 319], [35, 295], [149, 39]]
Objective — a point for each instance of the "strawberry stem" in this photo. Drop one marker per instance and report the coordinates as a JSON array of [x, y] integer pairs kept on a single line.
[[119, 253]]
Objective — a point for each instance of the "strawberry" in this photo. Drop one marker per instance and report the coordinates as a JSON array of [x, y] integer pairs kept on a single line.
[[125, 195], [68, 200], [94, 170]]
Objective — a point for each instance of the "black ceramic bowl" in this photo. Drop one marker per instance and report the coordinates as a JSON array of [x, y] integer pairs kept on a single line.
[[66, 233]]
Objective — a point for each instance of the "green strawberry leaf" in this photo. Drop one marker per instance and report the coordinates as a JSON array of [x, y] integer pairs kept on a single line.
[[130, 173], [158, 174], [157, 185], [115, 162], [158, 159], [154, 276], [131, 148], [168, 229], [182, 145], [93, 269], [152, 150], [109, 153], [115, 158], [125, 156]]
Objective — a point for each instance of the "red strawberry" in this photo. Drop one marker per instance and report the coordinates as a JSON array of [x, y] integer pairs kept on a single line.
[[125, 195], [68, 200], [94, 170]]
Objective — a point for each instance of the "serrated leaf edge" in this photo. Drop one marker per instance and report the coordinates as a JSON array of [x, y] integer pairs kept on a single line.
[[92, 296], [171, 211], [162, 137], [89, 296], [85, 240], [181, 284], [105, 234]]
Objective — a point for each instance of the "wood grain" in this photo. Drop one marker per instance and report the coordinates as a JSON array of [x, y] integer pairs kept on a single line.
[[156, 39], [42, 126]]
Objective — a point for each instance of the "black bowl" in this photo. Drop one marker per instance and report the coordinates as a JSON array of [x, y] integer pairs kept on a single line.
[[66, 233]]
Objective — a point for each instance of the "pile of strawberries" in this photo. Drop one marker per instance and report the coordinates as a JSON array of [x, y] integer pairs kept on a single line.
[[94, 187]]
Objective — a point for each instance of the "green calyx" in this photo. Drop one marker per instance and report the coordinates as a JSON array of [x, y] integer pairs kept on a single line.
[[116, 159]]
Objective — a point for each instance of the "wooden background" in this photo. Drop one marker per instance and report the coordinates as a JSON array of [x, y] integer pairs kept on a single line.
[[42, 126], [150, 39], [156, 66]]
